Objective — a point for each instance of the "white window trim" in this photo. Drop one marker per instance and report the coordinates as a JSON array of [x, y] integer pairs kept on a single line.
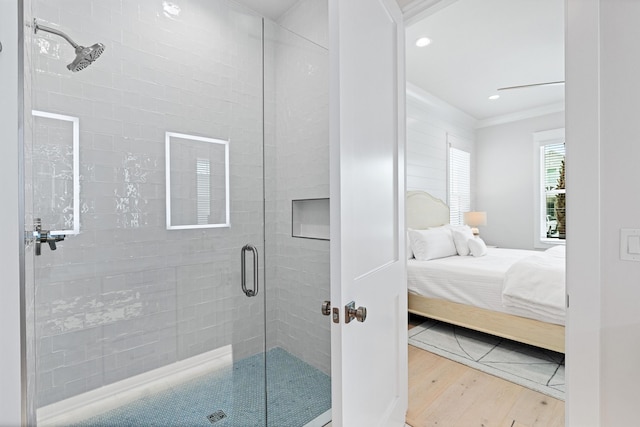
[[540, 139]]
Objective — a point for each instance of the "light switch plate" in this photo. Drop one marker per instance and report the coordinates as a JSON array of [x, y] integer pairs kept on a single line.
[[630, 244]]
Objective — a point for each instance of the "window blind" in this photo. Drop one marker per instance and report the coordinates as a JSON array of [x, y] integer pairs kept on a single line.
[[459, 184], [553, 157], [203, 190]]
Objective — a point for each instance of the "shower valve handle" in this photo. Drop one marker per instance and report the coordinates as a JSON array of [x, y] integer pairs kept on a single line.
[[44, 236]]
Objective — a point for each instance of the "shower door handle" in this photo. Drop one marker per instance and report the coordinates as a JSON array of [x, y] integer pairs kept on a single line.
[[243, 270]]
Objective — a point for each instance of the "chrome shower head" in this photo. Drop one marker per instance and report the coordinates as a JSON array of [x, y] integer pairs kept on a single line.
[[84, 55]]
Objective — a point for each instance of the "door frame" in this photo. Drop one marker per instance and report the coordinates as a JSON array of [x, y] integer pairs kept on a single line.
[[582, 123]]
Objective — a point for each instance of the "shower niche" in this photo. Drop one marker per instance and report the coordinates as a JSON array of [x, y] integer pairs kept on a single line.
[[310, 218]]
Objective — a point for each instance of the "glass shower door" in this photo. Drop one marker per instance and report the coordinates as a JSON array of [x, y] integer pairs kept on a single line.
[[297, 240], [145, 182]]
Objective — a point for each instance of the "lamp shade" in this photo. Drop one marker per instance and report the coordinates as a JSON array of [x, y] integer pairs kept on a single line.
[[475, 219]]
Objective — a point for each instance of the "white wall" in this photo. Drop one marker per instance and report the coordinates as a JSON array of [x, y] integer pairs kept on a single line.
[[10, 413], [619, 207], [431, 125], [505, 179]]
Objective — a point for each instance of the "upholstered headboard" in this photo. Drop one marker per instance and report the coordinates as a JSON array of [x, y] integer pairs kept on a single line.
[[424, 211]]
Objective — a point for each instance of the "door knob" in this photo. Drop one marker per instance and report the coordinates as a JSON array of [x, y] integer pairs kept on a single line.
[[351, 312]]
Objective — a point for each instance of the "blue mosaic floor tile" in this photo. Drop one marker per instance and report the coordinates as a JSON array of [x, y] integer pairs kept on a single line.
[[234, 397]]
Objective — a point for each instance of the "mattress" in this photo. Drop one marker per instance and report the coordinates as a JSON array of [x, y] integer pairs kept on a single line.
[[475, 281]]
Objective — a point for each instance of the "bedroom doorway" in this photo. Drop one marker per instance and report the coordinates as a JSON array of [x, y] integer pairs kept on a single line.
[[483, 79]]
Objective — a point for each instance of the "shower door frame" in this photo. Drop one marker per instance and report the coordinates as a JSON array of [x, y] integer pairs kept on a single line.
[[13, 374]]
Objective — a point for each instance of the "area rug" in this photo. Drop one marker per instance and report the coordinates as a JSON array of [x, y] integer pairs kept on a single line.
[[532, 367]]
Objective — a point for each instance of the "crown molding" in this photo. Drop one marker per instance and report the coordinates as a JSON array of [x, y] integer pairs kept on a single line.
[[446, 110], [521, 115]]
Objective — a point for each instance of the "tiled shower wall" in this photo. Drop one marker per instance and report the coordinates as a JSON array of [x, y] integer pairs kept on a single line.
[[126, 295]]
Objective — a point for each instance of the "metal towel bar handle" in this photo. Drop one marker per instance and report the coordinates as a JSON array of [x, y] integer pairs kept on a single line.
[[243, 271]]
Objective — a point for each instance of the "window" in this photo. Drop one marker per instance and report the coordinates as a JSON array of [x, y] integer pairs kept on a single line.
[[551, 191], [459, 184]]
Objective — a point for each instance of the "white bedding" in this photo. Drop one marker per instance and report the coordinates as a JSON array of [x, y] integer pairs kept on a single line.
[[476, 281], [537, 283]]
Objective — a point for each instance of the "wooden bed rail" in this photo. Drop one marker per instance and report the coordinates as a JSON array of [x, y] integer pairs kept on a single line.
[[516, 328]]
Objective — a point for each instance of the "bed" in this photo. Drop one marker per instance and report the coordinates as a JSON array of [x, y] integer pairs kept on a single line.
[[468, 291]]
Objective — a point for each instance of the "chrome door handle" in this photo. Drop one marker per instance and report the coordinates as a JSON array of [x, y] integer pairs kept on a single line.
[[243, 271], [351, 312]]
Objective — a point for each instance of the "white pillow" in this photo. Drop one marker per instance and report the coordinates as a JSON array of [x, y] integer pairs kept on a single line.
[[432, 243], [409, 250], [477, 247], [461, 236]]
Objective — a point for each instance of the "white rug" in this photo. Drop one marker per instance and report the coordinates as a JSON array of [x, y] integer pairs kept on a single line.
[[532, 367]]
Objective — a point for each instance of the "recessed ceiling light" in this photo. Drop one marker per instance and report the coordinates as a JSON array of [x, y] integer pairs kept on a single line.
[[423, 41], [494, 97]]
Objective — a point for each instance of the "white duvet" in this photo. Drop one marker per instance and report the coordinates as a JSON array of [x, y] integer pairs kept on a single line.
[[537, 283]]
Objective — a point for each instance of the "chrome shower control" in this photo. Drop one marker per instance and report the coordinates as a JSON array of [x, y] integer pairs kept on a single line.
[[44, 236]]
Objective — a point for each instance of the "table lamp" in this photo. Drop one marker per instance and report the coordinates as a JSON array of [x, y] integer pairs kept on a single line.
[[475, 220]]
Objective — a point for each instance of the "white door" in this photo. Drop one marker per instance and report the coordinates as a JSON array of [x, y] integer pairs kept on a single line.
[[369, 359]]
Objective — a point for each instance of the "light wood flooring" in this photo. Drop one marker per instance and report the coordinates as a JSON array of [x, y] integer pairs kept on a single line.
[[445, 393]]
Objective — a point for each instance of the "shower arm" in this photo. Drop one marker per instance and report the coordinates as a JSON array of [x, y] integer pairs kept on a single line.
[[54, 31]]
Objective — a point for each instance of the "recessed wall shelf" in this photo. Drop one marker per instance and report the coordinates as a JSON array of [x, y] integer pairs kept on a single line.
[[310, 218]]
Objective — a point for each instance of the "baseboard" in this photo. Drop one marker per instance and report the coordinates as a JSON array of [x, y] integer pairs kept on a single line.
[[114, 395]]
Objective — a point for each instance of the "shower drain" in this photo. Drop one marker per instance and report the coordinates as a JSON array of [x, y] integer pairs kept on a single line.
[[217, 416]]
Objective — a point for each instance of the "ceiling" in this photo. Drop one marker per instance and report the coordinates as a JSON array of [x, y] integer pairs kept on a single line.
[[272, 9], [480, 46]]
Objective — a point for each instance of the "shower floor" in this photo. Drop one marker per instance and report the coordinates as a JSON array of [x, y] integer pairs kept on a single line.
[[297, 393]]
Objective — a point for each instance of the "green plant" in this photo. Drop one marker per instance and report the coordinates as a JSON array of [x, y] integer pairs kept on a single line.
[[560, 205]]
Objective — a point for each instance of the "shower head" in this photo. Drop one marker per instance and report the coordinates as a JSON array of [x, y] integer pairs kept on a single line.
[[84, 55]]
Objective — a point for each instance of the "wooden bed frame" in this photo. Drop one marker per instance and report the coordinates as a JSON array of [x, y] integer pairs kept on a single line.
[[423, 211]]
